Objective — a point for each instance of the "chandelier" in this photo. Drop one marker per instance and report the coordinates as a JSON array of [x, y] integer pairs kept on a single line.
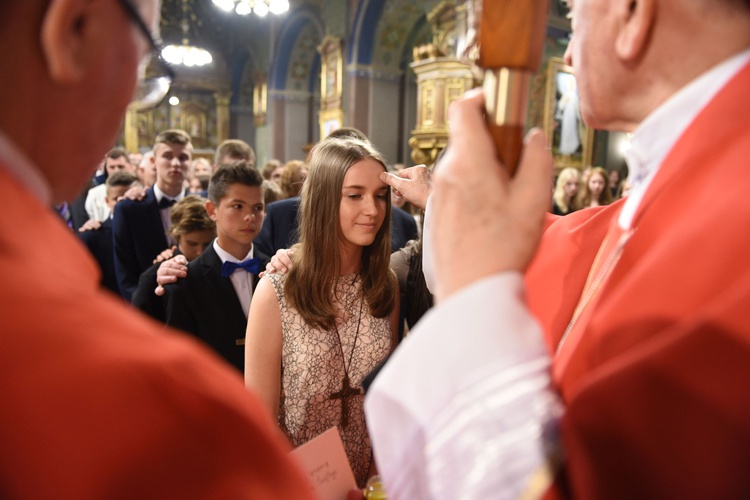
[[186, 54], [260, 7]]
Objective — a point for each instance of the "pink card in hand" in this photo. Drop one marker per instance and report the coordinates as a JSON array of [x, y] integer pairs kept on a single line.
[[324, 460]]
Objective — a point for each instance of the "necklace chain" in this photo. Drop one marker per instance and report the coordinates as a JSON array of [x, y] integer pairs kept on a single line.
[[346, 389]]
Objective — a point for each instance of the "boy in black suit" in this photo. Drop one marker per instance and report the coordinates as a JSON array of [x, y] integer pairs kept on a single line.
[[97, 236], [213, 301], [140, 228]]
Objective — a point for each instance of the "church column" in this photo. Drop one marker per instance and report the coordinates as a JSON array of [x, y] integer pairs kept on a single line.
[[131, 131], [358, 98]]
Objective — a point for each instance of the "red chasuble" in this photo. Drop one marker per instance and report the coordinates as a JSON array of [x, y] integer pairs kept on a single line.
[[100, 402], [656, 379]]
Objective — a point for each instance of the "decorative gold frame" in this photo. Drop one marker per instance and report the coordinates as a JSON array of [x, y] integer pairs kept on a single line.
[[331, 114], [559, 74], [193, 121]]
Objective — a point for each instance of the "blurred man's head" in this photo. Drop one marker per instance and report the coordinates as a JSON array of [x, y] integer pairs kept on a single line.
[[135, 159], [147, 170], [69, 78], [117, 161], [233, 150], [629, 57]]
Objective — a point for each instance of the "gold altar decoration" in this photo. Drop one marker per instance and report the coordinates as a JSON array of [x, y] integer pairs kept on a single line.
[[193, 121], [441, 79]]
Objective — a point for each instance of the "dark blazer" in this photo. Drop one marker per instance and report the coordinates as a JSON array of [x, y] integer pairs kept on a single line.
[[205, 304], [138, 238], [78, 214], [99, 243], [403, 229], [280, 227], [144, 297]]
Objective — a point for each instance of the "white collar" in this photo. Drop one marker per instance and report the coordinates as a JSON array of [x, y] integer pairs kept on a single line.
[[160, 194], [658, 133], [226, 256], [22, 168]]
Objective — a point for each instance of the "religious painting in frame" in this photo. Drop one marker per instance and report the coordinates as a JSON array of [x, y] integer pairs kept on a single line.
[[570, 140], [331, 85]]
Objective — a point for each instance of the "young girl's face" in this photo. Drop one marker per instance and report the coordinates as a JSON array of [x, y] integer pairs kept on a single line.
[[596, 185], [363, 203], [571, 187]]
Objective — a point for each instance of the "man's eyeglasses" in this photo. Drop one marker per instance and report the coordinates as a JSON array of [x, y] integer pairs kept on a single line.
[[154, 86]]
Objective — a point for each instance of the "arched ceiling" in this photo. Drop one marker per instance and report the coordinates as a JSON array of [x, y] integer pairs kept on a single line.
[[395, 29]]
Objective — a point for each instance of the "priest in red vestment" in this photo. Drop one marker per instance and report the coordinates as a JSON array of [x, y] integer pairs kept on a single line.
[[604, 354], [98, 401]]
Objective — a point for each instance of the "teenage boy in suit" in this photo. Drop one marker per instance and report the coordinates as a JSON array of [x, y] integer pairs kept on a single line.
[[141, 228], [213, 301]]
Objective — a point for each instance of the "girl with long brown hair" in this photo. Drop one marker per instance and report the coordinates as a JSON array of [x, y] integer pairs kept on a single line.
[[314, 333]]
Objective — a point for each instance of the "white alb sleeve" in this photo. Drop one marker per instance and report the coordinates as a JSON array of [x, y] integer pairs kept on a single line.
[[428, 268], [464, 408]]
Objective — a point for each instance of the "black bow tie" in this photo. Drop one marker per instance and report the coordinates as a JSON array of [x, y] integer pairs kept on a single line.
[[166, 203]]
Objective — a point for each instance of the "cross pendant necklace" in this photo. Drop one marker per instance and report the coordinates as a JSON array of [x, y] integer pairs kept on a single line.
[[344, 394], [347, 390]]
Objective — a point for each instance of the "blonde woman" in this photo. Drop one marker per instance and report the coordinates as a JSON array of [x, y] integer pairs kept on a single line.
[[566, 190], [314, 333]]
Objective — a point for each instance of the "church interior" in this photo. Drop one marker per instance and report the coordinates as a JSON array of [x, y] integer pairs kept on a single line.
[[282, 80]]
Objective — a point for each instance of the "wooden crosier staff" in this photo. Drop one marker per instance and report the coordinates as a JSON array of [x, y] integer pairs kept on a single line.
[[511, 37]]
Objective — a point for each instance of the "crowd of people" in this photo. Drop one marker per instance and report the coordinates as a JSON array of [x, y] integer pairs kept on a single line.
[[592, 187], [214, 230], [601, 354]]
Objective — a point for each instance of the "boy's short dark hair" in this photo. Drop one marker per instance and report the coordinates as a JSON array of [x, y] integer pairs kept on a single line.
[[121, 178], [116, 153], [188, 215], [172, 136], [237, 149], [239, 172]]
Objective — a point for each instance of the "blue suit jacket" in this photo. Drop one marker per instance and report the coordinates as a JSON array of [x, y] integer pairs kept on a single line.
[[138, 236], [280, 227]]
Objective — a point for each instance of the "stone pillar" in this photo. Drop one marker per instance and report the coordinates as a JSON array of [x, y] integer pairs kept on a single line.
[[131, 131]]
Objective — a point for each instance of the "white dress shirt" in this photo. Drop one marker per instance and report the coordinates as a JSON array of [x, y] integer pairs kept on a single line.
[[96, 203], [463, 408], [166, 220], [242, 281]]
